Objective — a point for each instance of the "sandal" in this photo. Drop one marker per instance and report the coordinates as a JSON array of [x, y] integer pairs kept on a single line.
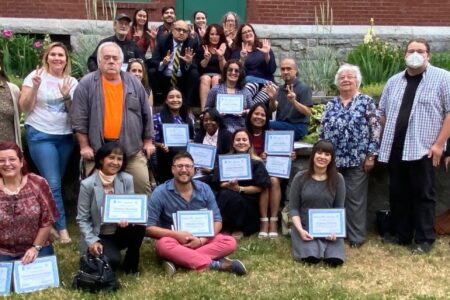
[[273, 234], [263, 234]]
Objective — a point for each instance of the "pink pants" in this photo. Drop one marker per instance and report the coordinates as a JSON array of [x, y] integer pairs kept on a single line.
[[197, 259]]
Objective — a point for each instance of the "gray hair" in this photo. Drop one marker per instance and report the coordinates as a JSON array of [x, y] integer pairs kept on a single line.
[[348, 67], [106, 44], [237, 19]]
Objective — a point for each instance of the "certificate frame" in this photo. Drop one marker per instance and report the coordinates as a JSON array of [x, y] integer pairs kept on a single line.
[[19, 284], [287, 149], [108, 201], [5, 286], [276, 172], [206, 232], [172, 142], [246, 175], [191, 149], [315, 213], [222, 107]]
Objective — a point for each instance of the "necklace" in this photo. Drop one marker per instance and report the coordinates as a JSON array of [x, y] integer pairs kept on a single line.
[[12, 192]]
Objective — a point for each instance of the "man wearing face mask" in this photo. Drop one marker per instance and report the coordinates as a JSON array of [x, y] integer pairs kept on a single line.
[[415, 108]]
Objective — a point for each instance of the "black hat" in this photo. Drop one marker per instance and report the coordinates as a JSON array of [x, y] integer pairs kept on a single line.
[[123, 16]]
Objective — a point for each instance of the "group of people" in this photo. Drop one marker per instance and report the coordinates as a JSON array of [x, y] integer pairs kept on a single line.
[[112, 112]]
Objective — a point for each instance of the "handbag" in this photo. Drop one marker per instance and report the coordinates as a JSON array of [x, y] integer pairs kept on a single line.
[[95, 274]]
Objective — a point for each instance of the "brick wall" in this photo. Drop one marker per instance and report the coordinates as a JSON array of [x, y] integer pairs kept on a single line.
[[346, 12]]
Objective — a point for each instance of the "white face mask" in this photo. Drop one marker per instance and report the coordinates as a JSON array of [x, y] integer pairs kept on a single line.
[[415, 60]]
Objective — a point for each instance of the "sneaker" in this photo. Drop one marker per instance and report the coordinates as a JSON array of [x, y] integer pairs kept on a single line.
[[169, 268], [422, 248], [233, 266]]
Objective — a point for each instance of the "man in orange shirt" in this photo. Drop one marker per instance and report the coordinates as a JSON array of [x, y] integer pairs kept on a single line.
[[110, 105]]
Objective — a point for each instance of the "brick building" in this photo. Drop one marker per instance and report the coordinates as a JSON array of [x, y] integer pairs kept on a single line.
[[285, 12]]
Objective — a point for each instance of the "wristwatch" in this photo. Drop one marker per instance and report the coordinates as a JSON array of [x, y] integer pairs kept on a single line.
[[37, 247]]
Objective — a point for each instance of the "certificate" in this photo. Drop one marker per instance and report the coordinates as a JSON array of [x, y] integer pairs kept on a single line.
[[235, 166], [279, 142], [176, 135], [325, 222], [279, 166], [203, 155], [131, 208], [230, 104], [5, 278], [39, 275], [198, 222]]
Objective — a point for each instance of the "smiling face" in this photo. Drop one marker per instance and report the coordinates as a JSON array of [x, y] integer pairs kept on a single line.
[[57, 60], [141, 17], [168, 16], [322, 159], [347, 82], [183, 170], [209, 124], [10, 164], [230, 23], [174, 100], [241, 142], [136, 69], [214, 36], [111, 164], [258, 118], [200, 20], [233, 72], [248, 36]]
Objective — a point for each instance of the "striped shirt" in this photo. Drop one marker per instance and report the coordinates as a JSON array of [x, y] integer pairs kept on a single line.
[[431, 106]]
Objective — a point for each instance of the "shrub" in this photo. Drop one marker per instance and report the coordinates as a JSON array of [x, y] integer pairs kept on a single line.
[[314, 123], [441, 60], [374, 90]]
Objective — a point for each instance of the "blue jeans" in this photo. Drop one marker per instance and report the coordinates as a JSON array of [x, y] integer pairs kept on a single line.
[[300, 130], [45, 251], [50, 154]]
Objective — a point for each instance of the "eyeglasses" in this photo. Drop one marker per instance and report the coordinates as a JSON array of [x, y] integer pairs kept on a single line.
[[181, 30], [181, 166], [233, 70], [139, 60], [420, 51]]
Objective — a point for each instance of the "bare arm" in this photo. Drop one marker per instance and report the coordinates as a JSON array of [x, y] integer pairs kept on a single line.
[[86, 150]]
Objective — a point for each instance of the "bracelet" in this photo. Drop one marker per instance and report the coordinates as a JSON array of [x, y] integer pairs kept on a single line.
[[67, 97]]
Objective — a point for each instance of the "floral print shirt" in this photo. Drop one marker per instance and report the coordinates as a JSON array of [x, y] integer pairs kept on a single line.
[[354, 129]]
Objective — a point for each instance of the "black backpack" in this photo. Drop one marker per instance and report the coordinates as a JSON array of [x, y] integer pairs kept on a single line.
[[95, 274]]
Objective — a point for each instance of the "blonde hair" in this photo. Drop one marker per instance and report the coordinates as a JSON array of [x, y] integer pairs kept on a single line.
[[68, 68]]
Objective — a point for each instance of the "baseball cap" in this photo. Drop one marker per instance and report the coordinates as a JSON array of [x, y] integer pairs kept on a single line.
[[123, 16]]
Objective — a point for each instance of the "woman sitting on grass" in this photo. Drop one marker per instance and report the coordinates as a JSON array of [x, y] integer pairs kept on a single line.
[[321, 186]]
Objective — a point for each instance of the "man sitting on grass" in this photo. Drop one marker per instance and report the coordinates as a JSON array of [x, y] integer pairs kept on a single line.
[[181, 248]]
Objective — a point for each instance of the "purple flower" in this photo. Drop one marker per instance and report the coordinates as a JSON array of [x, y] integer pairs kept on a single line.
[[37, 45], [7, 33]]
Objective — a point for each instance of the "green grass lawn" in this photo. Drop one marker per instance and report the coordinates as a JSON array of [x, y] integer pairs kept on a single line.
[[376, 271]]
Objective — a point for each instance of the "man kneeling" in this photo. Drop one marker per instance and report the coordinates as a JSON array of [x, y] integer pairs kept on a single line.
[[181, 248]]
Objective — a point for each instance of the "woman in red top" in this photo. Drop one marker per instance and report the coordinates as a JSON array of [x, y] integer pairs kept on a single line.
[[140, 33], [27, 209]]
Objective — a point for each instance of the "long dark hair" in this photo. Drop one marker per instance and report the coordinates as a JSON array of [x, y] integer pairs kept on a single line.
[[166, 114], [195, 26], [251, 151], [332, 174], [238, 40], [10, 145], [241, 79], [145, 29], [248, 122], [105, 150], [219, 29]]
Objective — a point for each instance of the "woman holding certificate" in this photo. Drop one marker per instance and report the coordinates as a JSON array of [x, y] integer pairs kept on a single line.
[[257, 123], [321, 186], [27, 208], [238, 200], [105, 238], [173, 112], [229, 97], [351, 122]]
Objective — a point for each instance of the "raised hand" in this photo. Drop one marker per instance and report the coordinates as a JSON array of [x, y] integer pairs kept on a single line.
[[167, 58], [244, 51], [36, 79], [65, 87], [188, 55], [265, 46], [152, 32], [221, 50], [291, 96], [271, 90], [207, 54]]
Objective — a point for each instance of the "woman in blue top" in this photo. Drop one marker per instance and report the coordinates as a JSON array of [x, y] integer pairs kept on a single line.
[[351, 122], [173, 112], [258, 60]]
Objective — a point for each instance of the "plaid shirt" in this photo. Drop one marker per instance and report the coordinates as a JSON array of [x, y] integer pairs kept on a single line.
[[431, 105]]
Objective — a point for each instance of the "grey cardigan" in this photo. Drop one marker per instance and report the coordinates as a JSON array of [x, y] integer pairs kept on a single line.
[[90, 201]]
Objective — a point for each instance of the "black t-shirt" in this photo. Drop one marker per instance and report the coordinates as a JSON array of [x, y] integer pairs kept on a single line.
[[405, 110]]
